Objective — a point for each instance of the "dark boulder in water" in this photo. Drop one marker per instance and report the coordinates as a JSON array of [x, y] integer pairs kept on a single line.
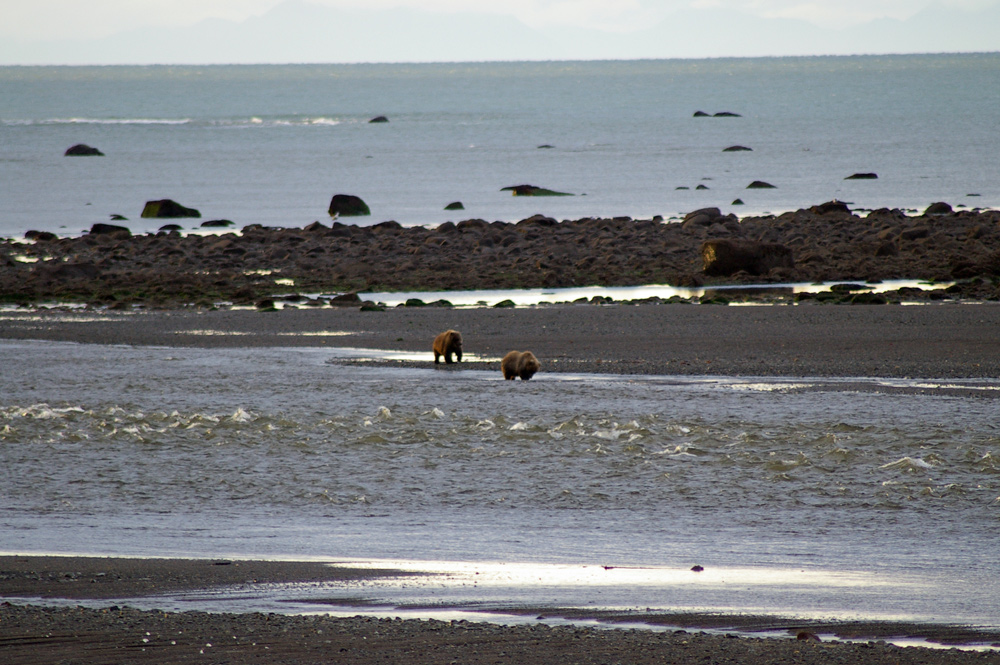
[[724, 257], [165, 208], [348, 205], [939, 208], [834, 206], [455, 205], [737, 148], [701, 114], [378, 118], [532, 190], [83, 150], [40, 236], [862, 176], [107, 229], [727, 114], [171, 227], [760, 184], [216, 223]]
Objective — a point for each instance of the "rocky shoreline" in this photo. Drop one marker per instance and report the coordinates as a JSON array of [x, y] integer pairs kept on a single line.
[[110, 267]]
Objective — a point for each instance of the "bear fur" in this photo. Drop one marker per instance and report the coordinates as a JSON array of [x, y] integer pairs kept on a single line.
[[447, 343], [519, 364]]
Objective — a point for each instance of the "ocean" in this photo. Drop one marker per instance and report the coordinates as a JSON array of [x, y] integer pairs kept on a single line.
[[815, 498], [272, 144]]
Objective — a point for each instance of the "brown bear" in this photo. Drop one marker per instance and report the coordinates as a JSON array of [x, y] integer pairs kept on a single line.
[[519, 364], [447, 343]]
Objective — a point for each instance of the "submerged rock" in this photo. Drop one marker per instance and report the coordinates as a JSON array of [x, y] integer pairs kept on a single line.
[[532, 190], [737, 148], [378, 118], [862, 176], [760, 184], [99, 228], [455, 205], [216, 223]]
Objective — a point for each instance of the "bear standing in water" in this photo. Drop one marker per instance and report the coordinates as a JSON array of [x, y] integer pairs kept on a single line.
[[447, 343], [519, 364]]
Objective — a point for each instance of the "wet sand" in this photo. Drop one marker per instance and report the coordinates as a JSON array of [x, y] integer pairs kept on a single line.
[[120, 634], [940, 340]]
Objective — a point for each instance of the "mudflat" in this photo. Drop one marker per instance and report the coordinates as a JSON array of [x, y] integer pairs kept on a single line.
[[119, 634], [936, 340]]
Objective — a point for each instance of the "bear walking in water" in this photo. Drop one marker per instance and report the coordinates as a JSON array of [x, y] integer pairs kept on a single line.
[[447, 343], [519, 364]]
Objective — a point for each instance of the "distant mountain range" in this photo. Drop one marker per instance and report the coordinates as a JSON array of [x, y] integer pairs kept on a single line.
[[297, 31]]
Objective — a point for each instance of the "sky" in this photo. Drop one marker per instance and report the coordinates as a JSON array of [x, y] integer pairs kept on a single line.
[[74, 20]]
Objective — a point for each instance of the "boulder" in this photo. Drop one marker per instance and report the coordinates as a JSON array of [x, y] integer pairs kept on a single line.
[[105, 229], [379, 118], [724, 257], [532, 190], [701, 114], [171, 227], [83, 150], [737, 148], [216, 224], [40, 236], [939, 208], [702, 217], [455, 205], [346, 300], [726, 114], [862, 176], [347, 205], [760, 184], [165, 208], [737, 202], [834, 206]]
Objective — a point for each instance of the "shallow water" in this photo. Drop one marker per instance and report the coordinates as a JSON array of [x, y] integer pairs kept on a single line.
[[858, 497]]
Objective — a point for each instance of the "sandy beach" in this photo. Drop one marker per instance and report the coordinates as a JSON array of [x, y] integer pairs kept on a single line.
[[35, 633]]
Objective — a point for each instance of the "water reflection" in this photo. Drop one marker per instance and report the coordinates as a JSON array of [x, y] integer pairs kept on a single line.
[[489, 298]]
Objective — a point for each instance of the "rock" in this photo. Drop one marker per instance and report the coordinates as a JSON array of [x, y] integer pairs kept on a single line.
[[545, 146], [532, 190], [701, 114], [315, 227], [727, 114], [737, 202], [724, 257], [862, 176], [455, 205], [216, 223], [118, 218], [414, 302], [99, 229], [171, 227], [346, 300], [939, 208], [348, 205], [379, 118], [82, 150], [760, 184], [67, 272], [834, 206], [737, 148], [40, 236], [702, 217], [505, 304], [167, 208], [701, 187]]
